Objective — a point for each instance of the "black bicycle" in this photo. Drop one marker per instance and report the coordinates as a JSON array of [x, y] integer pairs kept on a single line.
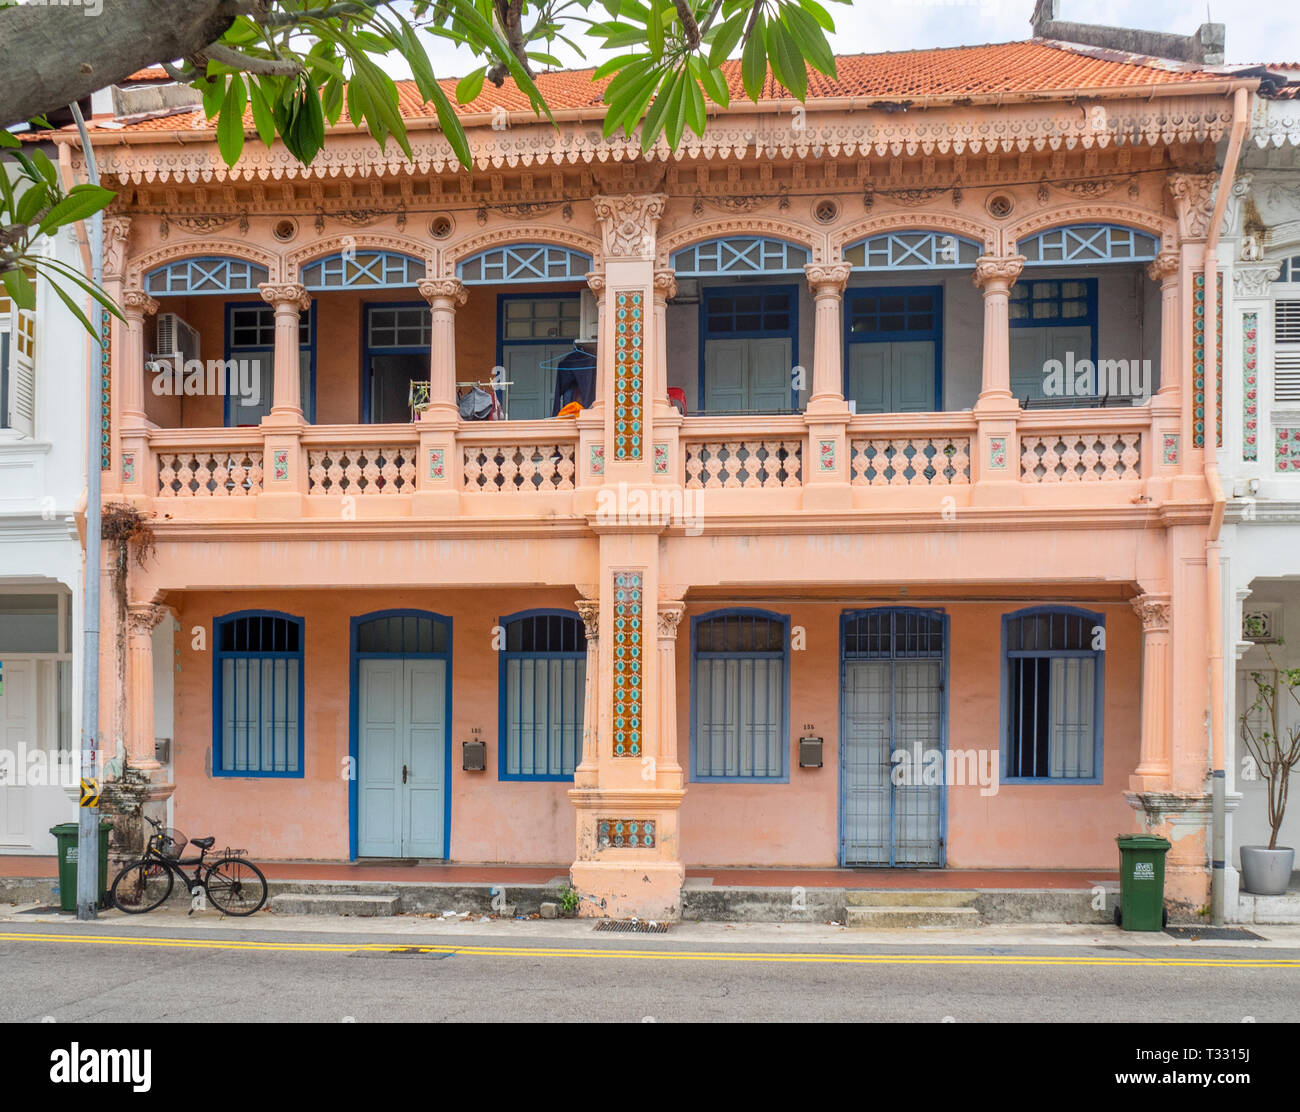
[[233, 883]]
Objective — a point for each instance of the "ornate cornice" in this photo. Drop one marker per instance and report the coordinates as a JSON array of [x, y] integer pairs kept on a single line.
[[1254, 279], [443, 289], [589, 611], [1153, 612], [286, 293], [138, 303], [828, 279], [629, 222], [998, 269], [1193, 200], [1165, 265]]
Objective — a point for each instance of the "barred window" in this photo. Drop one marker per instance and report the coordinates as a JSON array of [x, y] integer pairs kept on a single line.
[[258, 698], [543, 695]]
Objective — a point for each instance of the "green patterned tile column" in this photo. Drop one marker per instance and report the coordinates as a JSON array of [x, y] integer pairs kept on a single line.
[[627, 663], [629, 376]]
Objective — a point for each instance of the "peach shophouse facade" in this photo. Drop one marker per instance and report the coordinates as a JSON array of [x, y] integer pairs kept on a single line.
[[823, 487]]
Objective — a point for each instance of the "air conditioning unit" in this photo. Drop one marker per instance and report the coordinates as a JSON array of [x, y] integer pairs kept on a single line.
[[174, 336], [588, 316]]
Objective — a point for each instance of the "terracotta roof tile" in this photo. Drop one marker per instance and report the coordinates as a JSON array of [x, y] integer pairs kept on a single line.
[[1037, 66]]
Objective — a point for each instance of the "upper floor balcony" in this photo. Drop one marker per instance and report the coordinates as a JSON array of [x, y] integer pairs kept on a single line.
[[920, 370]]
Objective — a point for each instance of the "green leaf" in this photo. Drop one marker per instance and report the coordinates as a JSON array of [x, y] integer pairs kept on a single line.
[[9, 140], [655, 31], [726, 36], [811, 41], [331, 96], [21, 290], [787, 63], [820, 14], [81, 201], [629, 105], [73, 306], [78, 279], [654, 119], [230, 127], [469, 86], [421, 68], [753, 61], [715, 85], [46, 167], [675, 116], [213, 92], [693, 107], [451, 126], [263, 117], [34, 199], [620, 63]]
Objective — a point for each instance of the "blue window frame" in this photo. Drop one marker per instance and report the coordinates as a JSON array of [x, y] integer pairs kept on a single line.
[[1288, 271], [1086, 244], [257, 695], [740, 255], [754, 312], [889, 314], [211, 275], [1053, 695], [1056, 303], [740, 696], [913, 251], [384, 634], [543, 686], [372, 270], [250, 330], [524, 262], [399, 333]]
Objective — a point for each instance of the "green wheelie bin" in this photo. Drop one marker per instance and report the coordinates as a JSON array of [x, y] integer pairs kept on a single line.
[[1141, 882], [66, 836]]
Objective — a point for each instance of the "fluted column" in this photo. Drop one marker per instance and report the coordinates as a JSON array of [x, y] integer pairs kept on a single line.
[[289, 300], [670, 616], [995, 275], [1154, 763], [589, 612], [136, 305], [1164, 269], [445, 296], [141, 619], [665, 286], [827, 282]]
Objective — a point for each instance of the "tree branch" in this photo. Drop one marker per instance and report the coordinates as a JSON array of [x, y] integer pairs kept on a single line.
[[277, 67], [510, 15], [690, 29], [53, 54]]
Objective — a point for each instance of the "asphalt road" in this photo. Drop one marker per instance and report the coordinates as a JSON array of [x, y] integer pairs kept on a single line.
[[113, 972]]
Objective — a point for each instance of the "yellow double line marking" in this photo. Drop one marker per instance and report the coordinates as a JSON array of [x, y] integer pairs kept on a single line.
[[251, 945]]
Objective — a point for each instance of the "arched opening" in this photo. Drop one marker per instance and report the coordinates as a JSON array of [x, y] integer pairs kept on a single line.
[[737, 323]]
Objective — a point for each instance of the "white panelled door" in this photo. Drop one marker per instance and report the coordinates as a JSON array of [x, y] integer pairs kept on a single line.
[[402, 752], [17, 727]]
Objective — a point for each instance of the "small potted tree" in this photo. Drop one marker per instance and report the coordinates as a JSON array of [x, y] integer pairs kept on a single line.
[[1275, 748]]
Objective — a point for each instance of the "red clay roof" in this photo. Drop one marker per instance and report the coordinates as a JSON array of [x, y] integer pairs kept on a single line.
[[1037, 66], [153, 73]]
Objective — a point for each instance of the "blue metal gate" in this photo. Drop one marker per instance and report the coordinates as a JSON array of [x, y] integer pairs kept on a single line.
[[893, 737]]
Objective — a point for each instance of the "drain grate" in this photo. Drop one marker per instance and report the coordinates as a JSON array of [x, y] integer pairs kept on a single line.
[[631, 926], [1214, 934]]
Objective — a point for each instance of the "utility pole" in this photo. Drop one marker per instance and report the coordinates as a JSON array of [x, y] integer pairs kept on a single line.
[[88, 816]]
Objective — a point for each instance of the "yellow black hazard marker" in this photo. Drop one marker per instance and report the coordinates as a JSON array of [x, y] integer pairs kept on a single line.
[[90, 793]]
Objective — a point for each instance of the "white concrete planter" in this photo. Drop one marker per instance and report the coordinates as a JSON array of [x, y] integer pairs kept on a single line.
[[1266, 872]]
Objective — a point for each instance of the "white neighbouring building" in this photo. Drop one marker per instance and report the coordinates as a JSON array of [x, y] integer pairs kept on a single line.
[[1260, 462], [43, 404]]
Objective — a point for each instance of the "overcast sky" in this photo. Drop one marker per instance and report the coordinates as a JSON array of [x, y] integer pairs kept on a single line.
[[1258, 30]]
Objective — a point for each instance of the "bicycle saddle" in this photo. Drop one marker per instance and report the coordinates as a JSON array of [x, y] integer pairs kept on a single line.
[[203, 843]]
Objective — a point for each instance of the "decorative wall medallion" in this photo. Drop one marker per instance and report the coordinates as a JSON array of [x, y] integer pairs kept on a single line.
[[997, 453], [280, 465], [1250, 386], [625, 834], [826, 455], [1169, 449], [597, 462], [661, 459], [437, 464], [627, 663], [629, 359], [128, 467], [1287, 449]]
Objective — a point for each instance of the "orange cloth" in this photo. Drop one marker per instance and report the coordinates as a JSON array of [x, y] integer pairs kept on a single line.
[[570, 410]]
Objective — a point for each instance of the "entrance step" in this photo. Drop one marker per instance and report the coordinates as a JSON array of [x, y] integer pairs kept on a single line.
[[902, 917], [335, 903], [898, 897]]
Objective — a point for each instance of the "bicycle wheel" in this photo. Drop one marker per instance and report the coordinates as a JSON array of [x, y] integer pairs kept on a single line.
[[141, 887], [235, 886]]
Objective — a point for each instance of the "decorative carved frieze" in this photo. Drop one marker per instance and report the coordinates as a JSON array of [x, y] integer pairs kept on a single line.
[[1253, 279], [1194, 201], [117, 234]]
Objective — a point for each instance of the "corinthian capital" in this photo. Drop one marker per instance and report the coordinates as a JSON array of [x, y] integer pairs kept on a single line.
[[827, 279], [286, 293], [143, 617], [665, 283], [138, 303], [596, 281], [443, 289], [589, 611], [629, 223], [670, 615], [1152, 611], [1164, 265], [998, 271]]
